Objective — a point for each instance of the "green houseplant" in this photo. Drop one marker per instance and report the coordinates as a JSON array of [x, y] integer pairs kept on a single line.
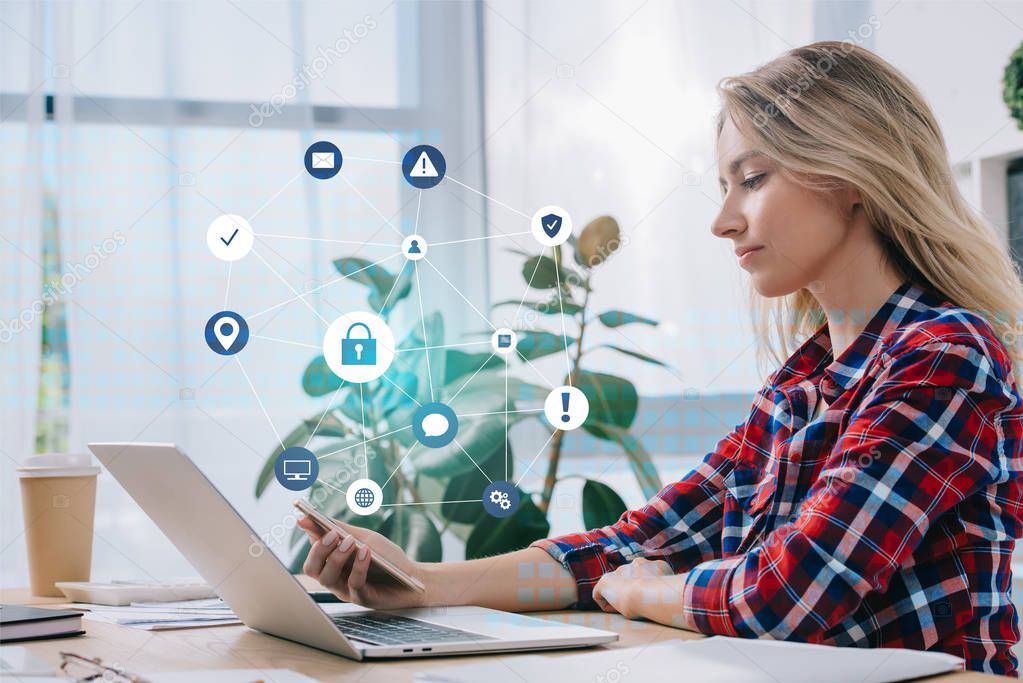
[[366, 430], [1012, 86]]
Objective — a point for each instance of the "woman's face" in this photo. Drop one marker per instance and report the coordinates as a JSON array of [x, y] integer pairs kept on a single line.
[[797, 236]]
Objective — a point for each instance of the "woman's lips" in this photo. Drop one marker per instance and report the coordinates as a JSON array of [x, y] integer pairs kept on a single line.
[[747, 255]]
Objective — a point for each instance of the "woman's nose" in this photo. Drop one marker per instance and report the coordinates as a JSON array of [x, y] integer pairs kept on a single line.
[[728, 223]]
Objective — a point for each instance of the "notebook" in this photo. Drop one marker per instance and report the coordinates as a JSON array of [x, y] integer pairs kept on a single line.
[[718, 659], [19, 622]]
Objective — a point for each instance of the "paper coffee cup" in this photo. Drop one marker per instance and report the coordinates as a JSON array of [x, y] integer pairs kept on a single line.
[[58, 500]]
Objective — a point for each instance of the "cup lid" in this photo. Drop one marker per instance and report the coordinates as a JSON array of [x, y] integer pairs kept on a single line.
[[58, 465]]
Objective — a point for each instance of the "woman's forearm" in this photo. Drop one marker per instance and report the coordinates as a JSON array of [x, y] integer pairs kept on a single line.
[[520, 581]]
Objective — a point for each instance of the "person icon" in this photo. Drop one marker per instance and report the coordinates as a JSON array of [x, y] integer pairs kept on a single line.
[[414, 247]]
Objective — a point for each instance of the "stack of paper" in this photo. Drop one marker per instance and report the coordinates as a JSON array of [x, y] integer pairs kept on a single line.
[[718, 659], [160, 616]]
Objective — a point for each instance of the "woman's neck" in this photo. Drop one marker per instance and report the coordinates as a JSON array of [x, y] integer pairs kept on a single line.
[[852, 296]]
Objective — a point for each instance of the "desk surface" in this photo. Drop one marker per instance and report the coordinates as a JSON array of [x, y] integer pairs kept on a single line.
[[239, 647]]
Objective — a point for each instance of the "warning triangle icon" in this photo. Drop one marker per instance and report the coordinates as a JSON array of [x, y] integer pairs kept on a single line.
[[423, 168]]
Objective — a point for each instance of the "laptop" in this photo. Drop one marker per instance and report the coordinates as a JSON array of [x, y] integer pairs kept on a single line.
[[247, 576]]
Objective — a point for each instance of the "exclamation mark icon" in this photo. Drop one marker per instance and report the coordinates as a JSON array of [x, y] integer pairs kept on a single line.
[[424, 164], [565, 417]]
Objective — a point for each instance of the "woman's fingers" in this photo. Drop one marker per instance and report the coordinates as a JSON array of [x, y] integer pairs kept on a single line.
[[318, 554], [598, 597], [311, 528], [357, 577], [335, 563]]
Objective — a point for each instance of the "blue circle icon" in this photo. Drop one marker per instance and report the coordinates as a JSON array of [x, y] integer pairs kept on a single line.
[[323, 160], [364, 497], [296, 468], [227, 333], [500, 498], [423, 166], [434, 424]]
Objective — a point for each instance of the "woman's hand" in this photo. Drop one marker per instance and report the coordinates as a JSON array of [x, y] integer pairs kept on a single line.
[[342, 566], [642, 589]]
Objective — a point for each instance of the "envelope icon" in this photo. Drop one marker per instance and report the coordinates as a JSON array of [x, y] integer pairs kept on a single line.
[[323, 160]]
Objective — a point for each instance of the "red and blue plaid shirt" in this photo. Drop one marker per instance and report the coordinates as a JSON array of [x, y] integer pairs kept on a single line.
[[886, 521]]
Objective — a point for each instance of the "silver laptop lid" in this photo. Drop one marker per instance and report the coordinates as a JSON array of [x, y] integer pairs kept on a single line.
[[220, 544]]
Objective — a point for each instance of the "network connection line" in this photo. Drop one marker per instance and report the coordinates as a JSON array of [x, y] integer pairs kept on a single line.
[[459, 292], [303, 238], [549, 219], [330, 404], [400, 463], [260, 402], [371, 205], [486, 196], [326, 284], [422, 320], [564, 332], [356, 445], [471, 459], [285, 341], [538, 453], [227, 290], [294, 291]]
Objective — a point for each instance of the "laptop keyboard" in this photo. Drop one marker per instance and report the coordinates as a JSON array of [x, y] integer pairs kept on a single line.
[[378, 628]]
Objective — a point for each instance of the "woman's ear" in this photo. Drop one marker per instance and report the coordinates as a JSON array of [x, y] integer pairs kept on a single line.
[[849, 200]]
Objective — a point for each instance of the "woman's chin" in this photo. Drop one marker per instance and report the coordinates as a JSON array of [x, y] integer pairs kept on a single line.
[[771, 287]]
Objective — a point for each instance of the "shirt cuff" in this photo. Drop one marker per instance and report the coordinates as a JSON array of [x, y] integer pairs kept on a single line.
[[705, 596], [586, 563]]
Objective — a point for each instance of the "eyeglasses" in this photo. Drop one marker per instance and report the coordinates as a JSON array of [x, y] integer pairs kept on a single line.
[[88, 669]]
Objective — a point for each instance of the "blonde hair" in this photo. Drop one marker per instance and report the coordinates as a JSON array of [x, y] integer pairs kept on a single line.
[[838, 113]]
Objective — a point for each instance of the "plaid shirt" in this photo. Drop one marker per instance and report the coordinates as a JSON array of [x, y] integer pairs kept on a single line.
[[887, 521]]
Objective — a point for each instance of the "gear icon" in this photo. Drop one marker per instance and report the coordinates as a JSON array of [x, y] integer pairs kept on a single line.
[[505, 503], [497, 498]]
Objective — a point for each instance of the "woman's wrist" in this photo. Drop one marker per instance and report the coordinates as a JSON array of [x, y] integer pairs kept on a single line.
[[436, 577]]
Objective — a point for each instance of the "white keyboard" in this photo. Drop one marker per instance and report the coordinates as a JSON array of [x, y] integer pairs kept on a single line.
[[126, 592]]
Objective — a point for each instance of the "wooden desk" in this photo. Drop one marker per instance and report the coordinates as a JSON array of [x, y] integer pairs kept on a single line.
[[239, 647]]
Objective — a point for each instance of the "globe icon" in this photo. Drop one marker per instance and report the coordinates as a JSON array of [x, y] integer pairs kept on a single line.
[[364, 497]]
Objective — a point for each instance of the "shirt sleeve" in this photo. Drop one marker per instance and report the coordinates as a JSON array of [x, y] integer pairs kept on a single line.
[[681, 525], [927, 436]]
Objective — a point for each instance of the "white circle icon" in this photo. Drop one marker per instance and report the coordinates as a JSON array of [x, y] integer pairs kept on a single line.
[[358, 347], [503, 340], [551, 226], [364, 497], [414, 247], [229, 237], [566, 408]]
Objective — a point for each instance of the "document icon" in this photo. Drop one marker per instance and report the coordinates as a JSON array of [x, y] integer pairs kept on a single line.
[[323, 160]]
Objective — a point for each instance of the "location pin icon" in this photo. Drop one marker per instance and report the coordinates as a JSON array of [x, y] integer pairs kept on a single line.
[[226, 331]]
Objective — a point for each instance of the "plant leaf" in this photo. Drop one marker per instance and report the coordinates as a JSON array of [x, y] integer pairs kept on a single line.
[[414, 532], [613, 400], [634, 354], [601, 505], [365, 272], [547, 307], [318, 379], [615, 318], [459, 364], [469, 486], [399, 288], [639, 460], [493, 536], [538, 343], [542, 273], [479, 435]]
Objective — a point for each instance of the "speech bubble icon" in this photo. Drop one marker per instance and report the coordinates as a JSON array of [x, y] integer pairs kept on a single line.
[[435, 424]]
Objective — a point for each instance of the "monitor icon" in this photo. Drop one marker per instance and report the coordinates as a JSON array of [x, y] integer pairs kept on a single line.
[[297, 470]]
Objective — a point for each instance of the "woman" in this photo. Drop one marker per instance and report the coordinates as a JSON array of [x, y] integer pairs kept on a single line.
[[872, 496]]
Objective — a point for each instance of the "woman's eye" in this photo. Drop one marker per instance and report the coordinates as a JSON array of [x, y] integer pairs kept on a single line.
[[753, 181]]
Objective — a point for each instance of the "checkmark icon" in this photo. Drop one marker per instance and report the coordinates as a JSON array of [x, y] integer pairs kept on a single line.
[[228, 241], [550, 226]]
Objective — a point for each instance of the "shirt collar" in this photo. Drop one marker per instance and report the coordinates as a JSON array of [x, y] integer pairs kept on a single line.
[[814, 359]]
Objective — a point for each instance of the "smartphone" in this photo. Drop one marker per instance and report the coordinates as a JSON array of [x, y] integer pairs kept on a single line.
[[378, 566]]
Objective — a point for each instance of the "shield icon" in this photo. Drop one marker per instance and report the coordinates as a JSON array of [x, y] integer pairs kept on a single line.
[[551, 224]]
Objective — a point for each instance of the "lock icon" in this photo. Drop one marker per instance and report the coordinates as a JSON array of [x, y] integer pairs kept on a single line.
[[358, 350]]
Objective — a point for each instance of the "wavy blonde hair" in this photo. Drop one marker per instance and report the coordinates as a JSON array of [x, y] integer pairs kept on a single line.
[[832, 113]]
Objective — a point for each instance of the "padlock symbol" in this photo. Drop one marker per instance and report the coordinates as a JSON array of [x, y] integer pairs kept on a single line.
[[358, 350]]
